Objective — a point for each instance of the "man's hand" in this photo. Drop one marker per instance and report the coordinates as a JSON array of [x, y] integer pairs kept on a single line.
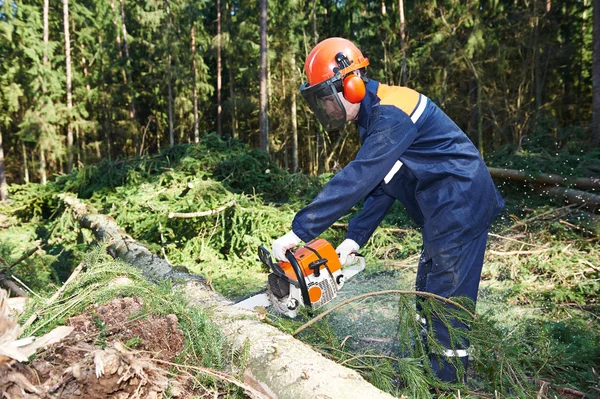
[[347, 251], [282, 244]]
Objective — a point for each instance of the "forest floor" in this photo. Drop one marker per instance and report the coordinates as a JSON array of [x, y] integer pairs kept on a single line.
[[115, 350], [538, 303]]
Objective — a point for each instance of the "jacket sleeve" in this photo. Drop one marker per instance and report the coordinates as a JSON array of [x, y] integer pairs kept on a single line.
[[374, 209], [389, 134]]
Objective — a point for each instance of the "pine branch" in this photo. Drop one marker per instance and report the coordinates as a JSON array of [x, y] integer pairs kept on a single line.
[[387, 292]]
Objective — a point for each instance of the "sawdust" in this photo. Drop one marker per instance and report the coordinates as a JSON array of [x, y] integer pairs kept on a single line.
[[93, 361]]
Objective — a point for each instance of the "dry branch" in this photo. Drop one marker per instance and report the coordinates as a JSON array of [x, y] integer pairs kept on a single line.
[[281, 365], [571, 196], [511, 253], [201, 214]]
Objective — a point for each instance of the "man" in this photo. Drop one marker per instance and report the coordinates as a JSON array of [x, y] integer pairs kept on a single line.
[[412, 152]]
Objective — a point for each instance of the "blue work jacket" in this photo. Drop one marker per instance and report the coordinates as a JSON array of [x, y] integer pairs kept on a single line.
[[412, 152]]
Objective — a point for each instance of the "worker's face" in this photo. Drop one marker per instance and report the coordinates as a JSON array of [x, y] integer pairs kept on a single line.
[[351, 109]]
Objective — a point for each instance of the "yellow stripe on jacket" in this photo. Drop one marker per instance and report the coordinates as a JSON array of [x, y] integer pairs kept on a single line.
[[401, 97]]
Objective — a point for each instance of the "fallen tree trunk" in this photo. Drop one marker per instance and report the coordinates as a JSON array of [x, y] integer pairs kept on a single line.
[[586, 200], [279, 365], [585, 183]]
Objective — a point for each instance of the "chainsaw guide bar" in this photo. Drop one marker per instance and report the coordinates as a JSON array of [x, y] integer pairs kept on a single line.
[[311, 277]]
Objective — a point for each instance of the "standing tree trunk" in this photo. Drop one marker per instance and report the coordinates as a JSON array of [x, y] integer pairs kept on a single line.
[[194, 89], [263, 116], [596, 77], [403, 77], [3, 185], [219, 68], [319, 158], [43, 174], [169, 83], [294, 115], [129, 83], [234, 122], [234, 132], [25, 164], [69, 88], [118, 39]]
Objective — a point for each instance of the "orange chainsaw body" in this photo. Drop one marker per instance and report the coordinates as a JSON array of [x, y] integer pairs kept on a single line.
[[310, 253]]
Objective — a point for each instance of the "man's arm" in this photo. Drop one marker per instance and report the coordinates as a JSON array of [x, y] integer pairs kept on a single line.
[[390, 133], [374, 209]]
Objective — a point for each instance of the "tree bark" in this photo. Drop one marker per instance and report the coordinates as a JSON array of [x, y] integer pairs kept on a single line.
[[586, 183], [294, 116], [194, 88], [219, 70], [43, 174], [263, 115], [403, 78], [69, 86], [278, 365], [234, 130], [571, 196], [596, 76], [129, 83], [3, 185], [118, 39], [169, 83], [25, 163]]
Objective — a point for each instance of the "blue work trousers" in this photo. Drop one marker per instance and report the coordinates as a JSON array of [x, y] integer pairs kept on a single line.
[[454, 273]]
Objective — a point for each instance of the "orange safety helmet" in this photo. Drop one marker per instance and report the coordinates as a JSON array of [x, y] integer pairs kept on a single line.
[[331, 68]]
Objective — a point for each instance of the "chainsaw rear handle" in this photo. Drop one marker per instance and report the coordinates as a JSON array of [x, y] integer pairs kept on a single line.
[[301, 281]]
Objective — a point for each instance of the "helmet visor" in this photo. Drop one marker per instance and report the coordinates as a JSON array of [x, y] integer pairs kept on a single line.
[[324, 101]]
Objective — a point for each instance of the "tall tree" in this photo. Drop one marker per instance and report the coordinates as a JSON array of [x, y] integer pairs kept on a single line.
[[596, 76], [3, 185], [263, 104], [219, 70], [194, 83], [169, 80], [403, 77], [129, 83], [46, 11], [68, 86]]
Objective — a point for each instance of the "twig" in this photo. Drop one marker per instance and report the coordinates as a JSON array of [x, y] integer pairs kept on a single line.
[[26, 255], [513, 239], [575, 227], [35, 315], [201, 214], [370, 357], [387, 292], [24, 285], [217, 374], [569, 391], [525, 221], [510, 253], [587, 263], [5, 282]]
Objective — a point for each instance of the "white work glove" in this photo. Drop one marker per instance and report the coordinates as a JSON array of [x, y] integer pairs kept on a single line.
[[282, 244], [347, 251]]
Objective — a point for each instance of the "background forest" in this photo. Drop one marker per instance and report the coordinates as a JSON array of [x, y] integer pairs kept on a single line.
[[86, 80]]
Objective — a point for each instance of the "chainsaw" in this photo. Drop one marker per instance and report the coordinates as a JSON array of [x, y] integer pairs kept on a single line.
[[311, 277]]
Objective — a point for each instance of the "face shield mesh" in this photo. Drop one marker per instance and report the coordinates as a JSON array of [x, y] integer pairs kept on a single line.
[[324, 101]]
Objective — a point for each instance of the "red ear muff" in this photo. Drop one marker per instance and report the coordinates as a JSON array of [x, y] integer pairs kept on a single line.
[[354, 88]]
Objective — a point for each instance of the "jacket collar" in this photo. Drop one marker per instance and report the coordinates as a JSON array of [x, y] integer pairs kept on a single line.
[[367, 104]]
